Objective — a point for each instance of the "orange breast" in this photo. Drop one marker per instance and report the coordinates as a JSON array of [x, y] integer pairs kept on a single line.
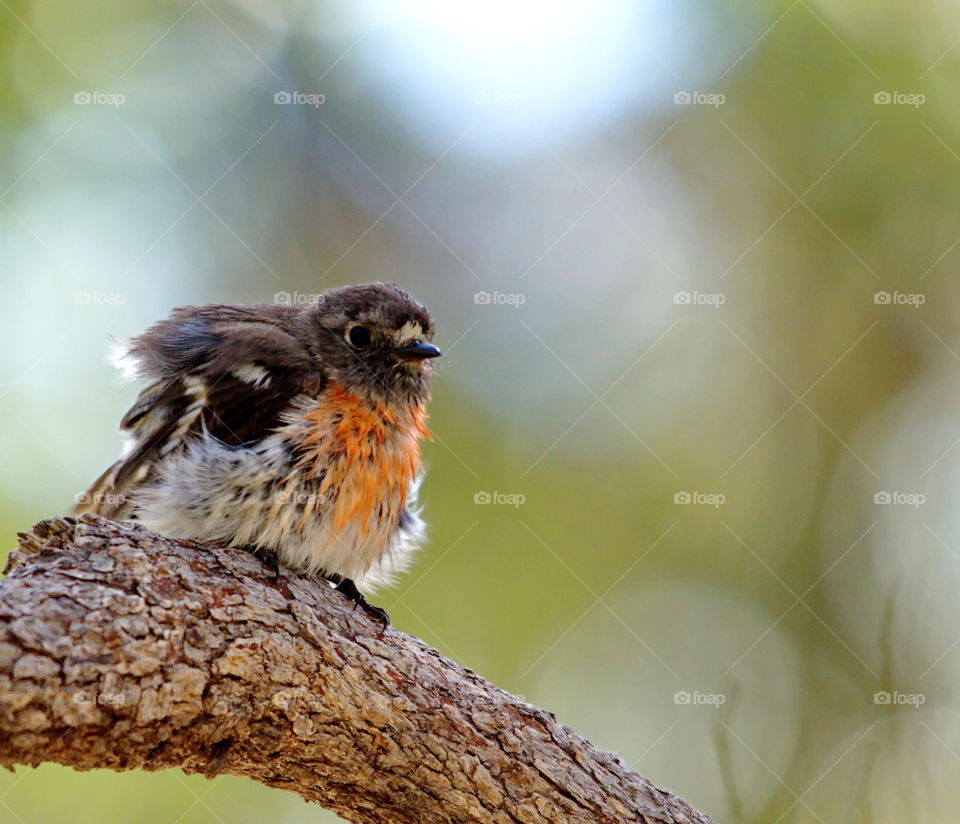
[[367, 455]]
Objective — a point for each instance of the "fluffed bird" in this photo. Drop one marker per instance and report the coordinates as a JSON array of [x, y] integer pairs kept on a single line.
[[290, 431]]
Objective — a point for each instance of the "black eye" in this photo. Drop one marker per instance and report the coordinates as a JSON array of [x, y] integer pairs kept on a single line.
[[359, 337]]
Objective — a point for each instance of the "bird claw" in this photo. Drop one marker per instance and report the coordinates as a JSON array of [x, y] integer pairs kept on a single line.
[[347, 587], [266, 558]]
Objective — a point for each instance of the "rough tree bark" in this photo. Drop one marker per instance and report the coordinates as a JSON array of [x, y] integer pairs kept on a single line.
[[121, 649]]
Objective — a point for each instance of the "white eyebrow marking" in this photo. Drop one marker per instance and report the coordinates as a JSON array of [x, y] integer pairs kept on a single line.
[[411, 330]]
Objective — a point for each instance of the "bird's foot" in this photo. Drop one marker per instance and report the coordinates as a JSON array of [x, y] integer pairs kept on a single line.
[[265, 557], [347, 587]]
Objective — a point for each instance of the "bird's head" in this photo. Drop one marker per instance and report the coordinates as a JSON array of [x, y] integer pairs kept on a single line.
[[375, 340]]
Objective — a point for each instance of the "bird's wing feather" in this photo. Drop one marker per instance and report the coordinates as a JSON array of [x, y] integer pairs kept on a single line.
[[219, 371]]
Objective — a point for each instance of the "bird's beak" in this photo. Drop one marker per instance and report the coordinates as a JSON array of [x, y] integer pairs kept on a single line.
[[418, 350]]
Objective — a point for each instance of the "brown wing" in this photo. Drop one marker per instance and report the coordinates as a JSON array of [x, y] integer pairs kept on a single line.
[[226, 372]]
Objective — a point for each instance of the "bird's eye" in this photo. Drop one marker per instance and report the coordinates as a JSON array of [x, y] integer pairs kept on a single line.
[[359, 337]]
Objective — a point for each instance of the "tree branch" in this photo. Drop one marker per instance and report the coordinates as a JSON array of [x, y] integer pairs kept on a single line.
[[121, 649]]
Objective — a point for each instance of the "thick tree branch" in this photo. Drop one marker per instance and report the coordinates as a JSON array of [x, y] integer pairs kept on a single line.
[[121, 649]]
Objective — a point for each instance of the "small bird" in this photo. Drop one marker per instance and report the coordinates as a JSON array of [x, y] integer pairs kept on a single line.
[[290, 431]]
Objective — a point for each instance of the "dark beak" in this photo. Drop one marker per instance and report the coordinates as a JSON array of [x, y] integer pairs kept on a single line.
[[419, 349]]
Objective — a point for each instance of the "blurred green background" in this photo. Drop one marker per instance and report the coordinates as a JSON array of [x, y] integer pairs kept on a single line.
[[693, 266]]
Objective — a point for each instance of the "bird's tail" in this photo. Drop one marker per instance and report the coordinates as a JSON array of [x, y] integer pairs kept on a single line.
[[104, 497]]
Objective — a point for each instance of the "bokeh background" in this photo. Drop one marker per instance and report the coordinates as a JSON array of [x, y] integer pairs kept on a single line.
[[695, 478]]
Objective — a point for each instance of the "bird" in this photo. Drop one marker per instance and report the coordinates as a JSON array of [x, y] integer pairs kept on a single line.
[[290, 431]]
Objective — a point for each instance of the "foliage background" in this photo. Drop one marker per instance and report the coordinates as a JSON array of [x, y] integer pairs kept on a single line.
[[751, 295]]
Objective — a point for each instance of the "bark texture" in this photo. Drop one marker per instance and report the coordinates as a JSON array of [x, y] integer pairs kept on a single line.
[[121, 649]]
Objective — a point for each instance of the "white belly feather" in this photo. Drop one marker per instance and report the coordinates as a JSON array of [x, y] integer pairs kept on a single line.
[[262, 496]]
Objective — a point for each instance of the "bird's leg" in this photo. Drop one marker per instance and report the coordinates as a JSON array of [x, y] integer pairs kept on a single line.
[[347, 587], [266, 557]]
